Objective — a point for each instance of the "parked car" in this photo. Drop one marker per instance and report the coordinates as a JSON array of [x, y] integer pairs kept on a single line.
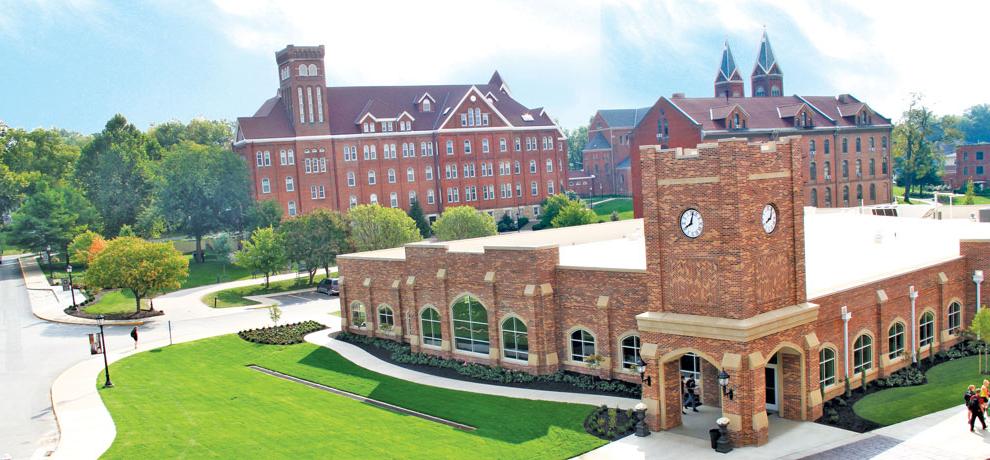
[[329, 286]]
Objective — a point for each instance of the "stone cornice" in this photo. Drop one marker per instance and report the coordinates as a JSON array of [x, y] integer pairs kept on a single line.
[[735, 330]]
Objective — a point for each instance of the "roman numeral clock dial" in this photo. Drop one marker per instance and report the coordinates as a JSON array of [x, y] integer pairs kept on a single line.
[[692, 223]]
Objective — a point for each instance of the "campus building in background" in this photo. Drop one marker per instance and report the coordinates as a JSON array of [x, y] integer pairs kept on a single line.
[[313, 146], [847, 143], [606, 159], [728, 271], [972, 163]]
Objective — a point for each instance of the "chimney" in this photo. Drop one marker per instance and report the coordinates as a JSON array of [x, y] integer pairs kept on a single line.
[[677, 96]]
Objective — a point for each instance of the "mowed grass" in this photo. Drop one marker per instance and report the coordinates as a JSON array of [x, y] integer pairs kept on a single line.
[[624, 206], [115, 302], [237, 297], [198, 400], [946, 384]]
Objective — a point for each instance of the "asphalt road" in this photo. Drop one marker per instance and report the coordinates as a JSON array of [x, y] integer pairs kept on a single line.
[[33, 352]]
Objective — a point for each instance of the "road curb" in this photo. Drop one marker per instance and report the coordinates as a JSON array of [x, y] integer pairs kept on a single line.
[[62, 317]]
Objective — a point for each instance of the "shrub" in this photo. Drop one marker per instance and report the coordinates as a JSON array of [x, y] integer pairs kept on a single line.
[[610, 424], [286, 334]]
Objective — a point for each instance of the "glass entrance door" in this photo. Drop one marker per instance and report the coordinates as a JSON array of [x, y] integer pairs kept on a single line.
[[772, 396]]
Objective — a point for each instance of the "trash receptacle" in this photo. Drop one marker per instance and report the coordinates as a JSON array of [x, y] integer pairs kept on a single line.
[[714, 434]]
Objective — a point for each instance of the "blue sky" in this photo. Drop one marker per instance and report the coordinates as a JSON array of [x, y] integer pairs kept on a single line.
[[73, 64]]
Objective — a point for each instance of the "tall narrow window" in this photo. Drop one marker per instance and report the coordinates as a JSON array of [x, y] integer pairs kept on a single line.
[[302, 106], [926, 329], [862, 354], [582, 345], [309, 98], [266, 185], [470, 325], [515, 340], [814, 197], [292, 208], [826, 367], [955, 317], [895, 340], [319, 103], [630, 352], [430, 321], [290, 185]]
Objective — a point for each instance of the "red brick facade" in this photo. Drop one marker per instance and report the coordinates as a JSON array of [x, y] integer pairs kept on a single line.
[[314, 146], [972, 164], [734, 296]]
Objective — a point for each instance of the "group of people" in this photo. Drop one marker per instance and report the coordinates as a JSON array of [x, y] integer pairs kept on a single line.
[[689, 388], [976, 404]]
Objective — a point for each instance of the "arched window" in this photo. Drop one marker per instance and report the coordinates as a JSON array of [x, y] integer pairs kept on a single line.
[[630, 352], [386, 319], [828, 170], [775, 91], [873, 192], [873, 167], [358, 315], [353, 201], [811, 146], [582, 345], [371, 177], [393, 200], [373, 199], [826, 367], [266, 185], [813, 171], [351, 181], [845, 168], [391, 175], [883, 165], [760, 91], [845, 145], [312, 70], [426, 105], [926, 329], [303, 72], [290, 185], [515, 341], [895, 340], [828, 197], [859, 168], [828, 146], [845, 195], [859, 192], [430, 325], [859, 145], [410, 174], [862, 354], [532, 166], [814, 197], [955, 317], [470, 325]]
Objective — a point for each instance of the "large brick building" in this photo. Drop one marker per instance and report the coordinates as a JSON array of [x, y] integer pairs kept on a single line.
[[313, 146], [972, 163], [727, 271], [606, 158], [847, 142]]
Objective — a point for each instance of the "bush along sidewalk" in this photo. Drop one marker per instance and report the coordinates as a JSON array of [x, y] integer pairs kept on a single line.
[[286, 334], [610, 424], [401, 354], [839, 412]]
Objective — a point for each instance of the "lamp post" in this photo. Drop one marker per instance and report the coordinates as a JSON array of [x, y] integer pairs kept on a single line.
[[723, 381], [48, 254], [103, 344], [641, 368], [978, 279], [592, 197], [846, 316], [913, 295], [72, 291]]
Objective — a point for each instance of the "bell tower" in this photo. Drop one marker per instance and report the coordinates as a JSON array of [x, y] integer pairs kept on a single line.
[[767, 78], [728, 82], [302, 87]]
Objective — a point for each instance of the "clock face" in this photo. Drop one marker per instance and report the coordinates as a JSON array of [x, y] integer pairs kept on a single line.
[[691, 223], [769, 219]]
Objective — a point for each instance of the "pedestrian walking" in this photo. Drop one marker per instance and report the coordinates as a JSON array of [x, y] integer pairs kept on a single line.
[[967, 396], [683, 393], [692, 398], [976, 412], [134, 335]]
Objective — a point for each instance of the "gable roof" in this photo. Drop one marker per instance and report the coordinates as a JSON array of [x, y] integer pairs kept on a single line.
[[598, 142], [623, 118], [624, 164], [270, 121], [769, 112]]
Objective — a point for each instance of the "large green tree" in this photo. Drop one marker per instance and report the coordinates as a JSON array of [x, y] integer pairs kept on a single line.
[[552, 205], [52, 216], [45, 152], [261, 214], [574, 213], [460, 222], [115, 172], [217, 133], [576, 140], [144, 267], [374, 227], [975, 123], [416, 214], [915, 159], [202, 189], [314, 240], [263, 253]]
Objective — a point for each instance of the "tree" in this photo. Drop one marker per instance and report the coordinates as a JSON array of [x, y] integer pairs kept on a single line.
[[261, 214], [216, 133], [223, 248], [980, 326], [315, 239], [970, 193], [141, 266], [202, 190], [551, 206], [914, 158], [574, 213], [126, 230], [274, 312], [374, 227], [576, 140], [52, 216], [85, 246], [506, 224], [263, 253], [975, 123], [416, 214], [461, 222], [115, 172]]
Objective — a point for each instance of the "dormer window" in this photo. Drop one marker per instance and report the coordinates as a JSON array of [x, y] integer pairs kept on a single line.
[[426, 105], [738, 122]]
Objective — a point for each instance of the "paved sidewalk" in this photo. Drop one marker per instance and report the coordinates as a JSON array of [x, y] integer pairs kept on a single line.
[[49, 302], [367, 361]]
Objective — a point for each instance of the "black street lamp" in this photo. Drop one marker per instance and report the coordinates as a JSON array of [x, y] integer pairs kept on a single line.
[[723, 381], [641, 367], [48, 254], [68, 269], [103, 344]]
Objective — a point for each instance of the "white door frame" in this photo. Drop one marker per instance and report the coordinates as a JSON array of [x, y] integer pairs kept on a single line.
[[775, 406]]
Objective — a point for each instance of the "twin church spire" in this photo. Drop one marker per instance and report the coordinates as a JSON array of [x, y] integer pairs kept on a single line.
[[767, 78]]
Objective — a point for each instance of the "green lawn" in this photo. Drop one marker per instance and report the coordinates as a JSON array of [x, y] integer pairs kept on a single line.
[[946, 384], [201, 274], [198, 400], [624, 206], [235, 297], [114, 302]]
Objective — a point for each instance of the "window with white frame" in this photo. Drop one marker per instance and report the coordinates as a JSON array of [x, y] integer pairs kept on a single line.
[[517, 168], [371, 177], [549, 165], [266, 185], [826, 367], [319, 103], [519, 190], [502, 145], [430, 197], [393, 200], [450, 171], [323, 164], [467, 146], [373, 199], [582, 345], [351, 180], [428, 173], [490, 192], [518, 144], [470, 321], [550, 187], [309, 98], [630, 352], [350, 153], [895, 340], [515, 339], [292, 208], [464, 120], [469, 170], [391, 175], [290, 185], [309, 165], [955, 317], [317, 192], [450, 147], [471, 193], [484, 119], [505, 190], [291, 157], [410, 174], [426, 105], [412, 197], [534, 188], [358, 315], [260, 158], [532, 166], [484, 145], [268, 158], [926, 329], [430, 322], [352, 202], [302, 107], [862, 354], [312, 70], [282, 158]]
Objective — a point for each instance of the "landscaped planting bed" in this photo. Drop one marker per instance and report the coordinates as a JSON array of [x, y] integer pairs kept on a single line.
[[402, 355], [286, 334], [610, 424]]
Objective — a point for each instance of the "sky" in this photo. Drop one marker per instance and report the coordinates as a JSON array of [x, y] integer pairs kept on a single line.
[[75, 63]]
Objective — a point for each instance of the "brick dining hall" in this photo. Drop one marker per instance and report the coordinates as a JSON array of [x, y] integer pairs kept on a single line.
[[727, 272]]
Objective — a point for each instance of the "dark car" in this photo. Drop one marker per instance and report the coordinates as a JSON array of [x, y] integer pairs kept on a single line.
[[329, 286]]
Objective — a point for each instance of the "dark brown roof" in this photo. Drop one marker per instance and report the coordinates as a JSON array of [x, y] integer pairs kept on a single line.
[[773, 112], [270, 121]]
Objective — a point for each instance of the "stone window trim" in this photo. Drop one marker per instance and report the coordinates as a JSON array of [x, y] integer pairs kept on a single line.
[[904, 332], [419, 319], [921, 320], [385, 311], [354, 306], [851, 353], [501, 322], [958, 303], [567, 343], [836, 364], [619, 364], [453, 327]]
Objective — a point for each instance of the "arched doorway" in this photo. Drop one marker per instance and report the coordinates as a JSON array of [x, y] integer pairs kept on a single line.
[[676, 368]]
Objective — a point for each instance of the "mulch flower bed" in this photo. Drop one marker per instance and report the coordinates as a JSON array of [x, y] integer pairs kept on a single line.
[[610, 424], [286, 334]]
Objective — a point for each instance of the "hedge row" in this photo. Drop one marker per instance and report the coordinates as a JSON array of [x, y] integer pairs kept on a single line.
[[286, 334]]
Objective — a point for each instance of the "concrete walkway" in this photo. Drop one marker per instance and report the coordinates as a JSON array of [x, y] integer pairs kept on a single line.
[[49, 302], [366, 360]]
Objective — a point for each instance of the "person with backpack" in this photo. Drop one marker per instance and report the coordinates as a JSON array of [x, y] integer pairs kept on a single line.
[[967, 396], [692, 399], [976, 412]]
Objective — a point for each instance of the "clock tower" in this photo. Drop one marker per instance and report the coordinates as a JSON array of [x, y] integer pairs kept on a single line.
[[724, 228]]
